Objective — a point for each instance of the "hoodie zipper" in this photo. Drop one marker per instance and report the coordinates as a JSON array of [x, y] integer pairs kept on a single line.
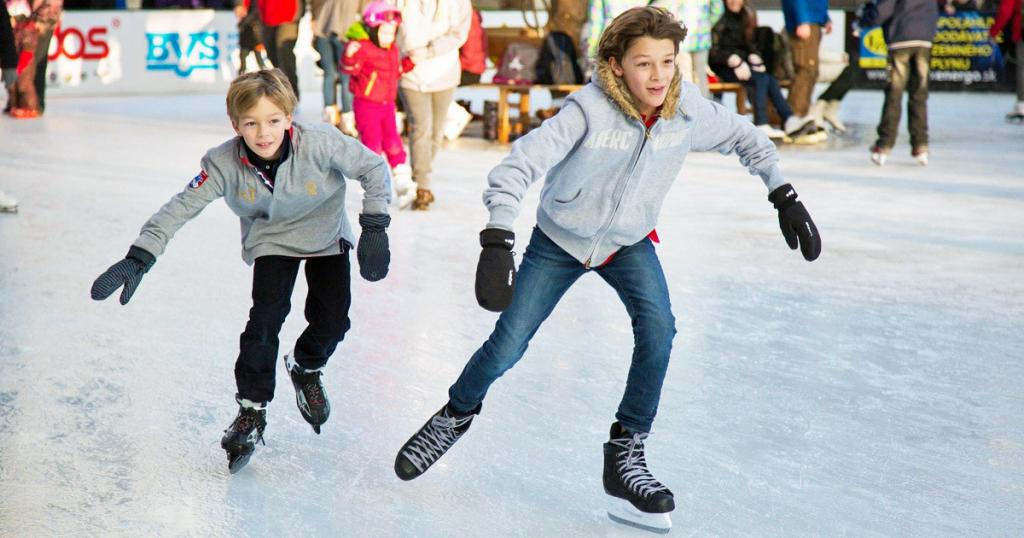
[[618, 202]]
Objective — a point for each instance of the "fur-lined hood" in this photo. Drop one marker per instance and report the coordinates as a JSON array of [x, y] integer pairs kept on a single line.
[[615, 88]]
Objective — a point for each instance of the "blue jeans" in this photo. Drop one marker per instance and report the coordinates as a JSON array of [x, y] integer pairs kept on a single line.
[[330, 50], [766, 87], [545, 274]]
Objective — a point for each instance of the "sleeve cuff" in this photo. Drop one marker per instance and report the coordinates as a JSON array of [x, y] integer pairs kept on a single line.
[[375, 207], [503, 217], [772, 177]]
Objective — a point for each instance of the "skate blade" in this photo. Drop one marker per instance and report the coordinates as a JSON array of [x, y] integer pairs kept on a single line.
[[9, 209], [237, 461], [316, 428], [622, 512]]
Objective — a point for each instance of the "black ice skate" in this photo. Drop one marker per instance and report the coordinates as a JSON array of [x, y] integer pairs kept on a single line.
[[309, 393], [430, 443], [241, 437], [637, 499]]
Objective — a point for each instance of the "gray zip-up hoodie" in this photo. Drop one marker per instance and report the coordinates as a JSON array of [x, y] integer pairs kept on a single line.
[[607, 174], [304, 216]]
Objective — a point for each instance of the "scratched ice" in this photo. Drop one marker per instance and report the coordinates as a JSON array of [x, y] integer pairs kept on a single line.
[[875, 392]]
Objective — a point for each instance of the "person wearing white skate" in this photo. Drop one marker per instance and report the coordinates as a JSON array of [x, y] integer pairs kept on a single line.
[[909, 28], [1011, 14], [287, 183], [609, 157], [7, 203]]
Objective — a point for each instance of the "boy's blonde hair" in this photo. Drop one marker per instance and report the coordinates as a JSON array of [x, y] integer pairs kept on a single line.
[[246, 90], [632, 24]]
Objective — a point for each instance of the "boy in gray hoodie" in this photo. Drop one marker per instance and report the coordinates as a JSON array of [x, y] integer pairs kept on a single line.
[[609, 157], [286, 182]]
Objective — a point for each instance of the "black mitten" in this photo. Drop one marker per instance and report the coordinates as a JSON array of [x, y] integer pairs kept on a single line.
[[373, 252], [127, 272], [797, 226], [496, 271]]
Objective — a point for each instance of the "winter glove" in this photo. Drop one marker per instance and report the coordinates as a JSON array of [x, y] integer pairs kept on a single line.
[[796, 224], [756, 63], [739, 67], [496, 271], [127, 272], [373, 253], [10, 77]]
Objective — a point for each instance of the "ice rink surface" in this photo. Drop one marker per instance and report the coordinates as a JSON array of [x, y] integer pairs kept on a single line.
[[874, 392]]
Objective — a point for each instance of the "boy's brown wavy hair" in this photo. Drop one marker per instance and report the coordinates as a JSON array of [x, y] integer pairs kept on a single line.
[[246, 90], [632, 24]]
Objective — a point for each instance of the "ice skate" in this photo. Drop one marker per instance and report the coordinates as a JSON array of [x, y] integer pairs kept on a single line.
[[8, 204], [348, 124], [309, 392], [331, 115], [636, 497], [799, 125], [920, 155], [879, 155], [423, 199], [247, 429], [405, 187], [430, 443], [1017, 115], [772, 132], [831, 115]]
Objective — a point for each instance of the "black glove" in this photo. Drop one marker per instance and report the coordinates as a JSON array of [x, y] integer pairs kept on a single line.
[[127, 272], [795, 222], [373, 253], [496, 271]]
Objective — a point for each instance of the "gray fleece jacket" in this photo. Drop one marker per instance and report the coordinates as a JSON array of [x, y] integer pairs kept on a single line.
[[304, 216], [607, 175]]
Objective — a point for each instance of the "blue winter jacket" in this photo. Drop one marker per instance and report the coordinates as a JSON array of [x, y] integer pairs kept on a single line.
[[607, 174], [905, 23], [797, 12]]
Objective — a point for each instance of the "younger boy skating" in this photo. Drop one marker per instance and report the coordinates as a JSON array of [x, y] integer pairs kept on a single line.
[[609, 157], [286, 182]]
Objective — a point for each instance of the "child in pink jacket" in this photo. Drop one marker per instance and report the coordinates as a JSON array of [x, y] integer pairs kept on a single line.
[[374, 66]]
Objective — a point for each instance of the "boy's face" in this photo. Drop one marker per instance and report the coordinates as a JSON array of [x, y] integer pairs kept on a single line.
[[386, 34], [647, 67], [263, 127]]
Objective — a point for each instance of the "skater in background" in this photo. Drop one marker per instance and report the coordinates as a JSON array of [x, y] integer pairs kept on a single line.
[[432, 33], [909, 27], [280, 20], [286, 182], [698, 17], [249, 30], [30, 21], [736, 58], [609, 157], [374, 64], [1011, 14], [9, 75], [331, 19], [805, 20], [473, 53]]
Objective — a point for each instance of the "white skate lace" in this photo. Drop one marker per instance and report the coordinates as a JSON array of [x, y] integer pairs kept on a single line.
[[435, 440], [632, 464]]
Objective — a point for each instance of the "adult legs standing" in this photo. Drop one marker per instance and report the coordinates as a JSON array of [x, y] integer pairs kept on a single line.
[[805, 70], [917, 101], [280, 43], [899, 74]]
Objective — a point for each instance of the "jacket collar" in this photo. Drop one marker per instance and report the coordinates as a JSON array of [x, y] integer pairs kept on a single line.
[[615, 88]]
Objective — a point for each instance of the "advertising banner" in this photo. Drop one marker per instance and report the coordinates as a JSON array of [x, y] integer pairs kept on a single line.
[[964, 57], [166, 51]]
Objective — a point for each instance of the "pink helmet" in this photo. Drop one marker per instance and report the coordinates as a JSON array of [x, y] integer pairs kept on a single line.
[[379, 12]]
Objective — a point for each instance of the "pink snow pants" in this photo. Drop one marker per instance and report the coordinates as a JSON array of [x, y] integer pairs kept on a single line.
[[377, 129]]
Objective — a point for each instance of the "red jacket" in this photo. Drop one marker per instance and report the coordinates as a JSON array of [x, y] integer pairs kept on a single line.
[[1009, 12], [473, 54], [276, 12], [374, 71]]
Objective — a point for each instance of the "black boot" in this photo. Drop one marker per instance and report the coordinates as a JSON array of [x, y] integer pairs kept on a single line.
[[430, 443], [309, 393], [247, 429], [627, 477]]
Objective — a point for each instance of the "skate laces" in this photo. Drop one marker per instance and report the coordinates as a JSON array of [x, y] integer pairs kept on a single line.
[[311, 387], [246, 421], [632, 464], [435, 439]]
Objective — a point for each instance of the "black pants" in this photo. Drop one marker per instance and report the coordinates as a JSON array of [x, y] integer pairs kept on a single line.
[[280, 44], [908, 70], [327, 304]]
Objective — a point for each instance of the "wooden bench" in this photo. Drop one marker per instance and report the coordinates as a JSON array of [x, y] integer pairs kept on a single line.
[[505, 91]]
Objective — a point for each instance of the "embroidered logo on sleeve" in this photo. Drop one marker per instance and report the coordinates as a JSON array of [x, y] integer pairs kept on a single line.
[[198, 180]]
